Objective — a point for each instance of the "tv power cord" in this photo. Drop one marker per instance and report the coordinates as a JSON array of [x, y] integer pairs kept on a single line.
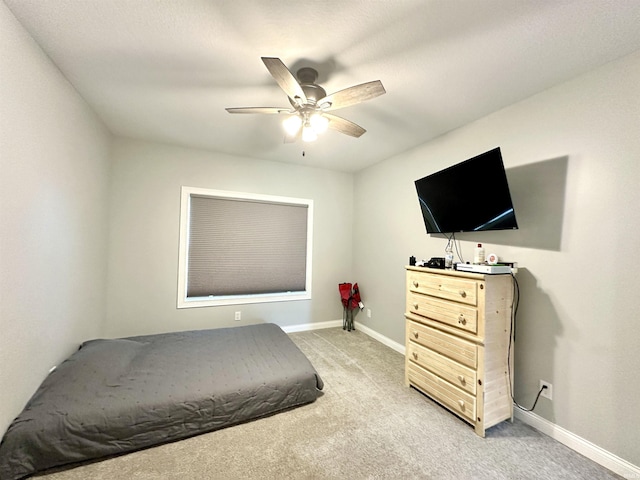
[[512, 338], [544, 387]]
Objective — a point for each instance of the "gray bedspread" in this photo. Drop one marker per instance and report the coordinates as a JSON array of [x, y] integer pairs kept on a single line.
[[116, 396]]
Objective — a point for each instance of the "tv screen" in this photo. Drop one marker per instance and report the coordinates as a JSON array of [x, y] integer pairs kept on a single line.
[[470, 196]]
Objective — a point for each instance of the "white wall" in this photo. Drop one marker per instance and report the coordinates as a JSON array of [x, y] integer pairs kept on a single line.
[[53, 218], [145, 210], [578, 323]]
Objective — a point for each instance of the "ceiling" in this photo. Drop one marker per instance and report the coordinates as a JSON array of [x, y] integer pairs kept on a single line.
[[165, 70]]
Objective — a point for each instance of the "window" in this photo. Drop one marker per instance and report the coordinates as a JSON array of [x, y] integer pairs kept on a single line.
[[243, 248]]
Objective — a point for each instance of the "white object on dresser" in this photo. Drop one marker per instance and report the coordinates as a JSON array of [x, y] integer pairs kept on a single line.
[[458, 327]]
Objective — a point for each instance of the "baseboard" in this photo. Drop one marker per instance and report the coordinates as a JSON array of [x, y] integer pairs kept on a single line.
[[304, 327], [381, 338], [579, 444]]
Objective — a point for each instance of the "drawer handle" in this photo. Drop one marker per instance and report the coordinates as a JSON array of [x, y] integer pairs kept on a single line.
[[415, 355], [415, 306], [462, 380], [463, 294], [462, 320], [415, 283], [415, 334], [461, 403]]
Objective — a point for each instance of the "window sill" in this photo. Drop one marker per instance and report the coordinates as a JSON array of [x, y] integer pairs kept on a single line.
[[212, 301]]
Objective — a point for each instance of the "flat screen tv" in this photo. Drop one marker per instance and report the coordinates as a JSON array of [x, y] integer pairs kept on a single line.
[[470, 196]]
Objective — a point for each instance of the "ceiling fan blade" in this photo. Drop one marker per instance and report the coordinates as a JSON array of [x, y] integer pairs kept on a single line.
[[352, 95], [267, 110], [285, 79], [345, 126]]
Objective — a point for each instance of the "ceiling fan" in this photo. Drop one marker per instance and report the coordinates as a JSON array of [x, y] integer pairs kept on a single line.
[[308, 115]]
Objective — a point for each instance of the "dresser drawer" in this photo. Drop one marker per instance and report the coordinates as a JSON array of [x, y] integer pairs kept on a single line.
[[456, 374], [451, 313], [457, 289], [457, 400], [458, 349]]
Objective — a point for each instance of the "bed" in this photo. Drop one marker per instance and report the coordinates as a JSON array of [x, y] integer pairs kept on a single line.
[[120, 395]]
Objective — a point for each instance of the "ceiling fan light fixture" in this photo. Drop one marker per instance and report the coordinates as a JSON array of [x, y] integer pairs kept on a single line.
[[309, 134], [319, 123], [310, 103], [292, 124]]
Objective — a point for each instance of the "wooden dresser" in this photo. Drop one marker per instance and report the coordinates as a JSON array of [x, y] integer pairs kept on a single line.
[[457, 340]]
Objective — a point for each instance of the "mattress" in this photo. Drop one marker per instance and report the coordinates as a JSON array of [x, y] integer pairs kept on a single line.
[[119, 395]]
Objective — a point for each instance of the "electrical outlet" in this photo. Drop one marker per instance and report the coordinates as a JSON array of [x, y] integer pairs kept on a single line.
[[547, 392], [238, 316], [368, 313]]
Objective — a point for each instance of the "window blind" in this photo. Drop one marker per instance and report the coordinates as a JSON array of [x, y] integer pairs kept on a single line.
[[244, 247]]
